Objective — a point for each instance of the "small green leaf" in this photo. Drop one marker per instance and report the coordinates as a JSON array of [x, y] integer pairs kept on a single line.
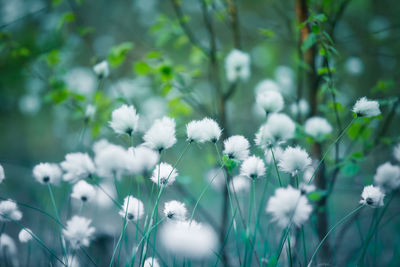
[[141, 68], [309, 42], [117, 54]]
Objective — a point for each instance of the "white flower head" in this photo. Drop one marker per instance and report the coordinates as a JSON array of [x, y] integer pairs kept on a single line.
[[161, 135], [141, 159], [277, 150], [110, 160], [300, 108], [278, 129], [396, 152], [237, 66], [289, 204], [47, 173], [124, 120], [7, 245], [151, 262], [318, 127], [164, 174], [236, 147], [133, 208], [25, 235], [306, 188], [203, 131], [387, 176], [216, 177], [2, 175], [266, 85], [189, 239], [212, 131], [240, 184], [77, 166], [271, 101], [194, 132], [253, 167], [372, 196], [366, 108], [79, 232], [294, 160], [83, 191], [9, 211], [102, 69], [175, 210], [90, 112]]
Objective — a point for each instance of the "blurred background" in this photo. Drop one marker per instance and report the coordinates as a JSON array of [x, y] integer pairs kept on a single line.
[[48, 50]]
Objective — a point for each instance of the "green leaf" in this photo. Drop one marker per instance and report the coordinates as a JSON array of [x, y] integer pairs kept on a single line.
[[68, 17], [350, 168], [316, 195], [53, 58], [309, 42], [142, 68], [230, 164], [117, 54], [319, 17], [266, 32]]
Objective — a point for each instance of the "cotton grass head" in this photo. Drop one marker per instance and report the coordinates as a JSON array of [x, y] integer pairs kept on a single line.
[[124, 120], [47, 173], [294, 160], [133, 209], [77, 166], [277, 130], [2, 175], [387, 177], [236, 147], [111, 160], [102, 69], [78, 232], [83, 191], [366, 108], [396, 152], [237, 66], [161, 134], [372, 196], [240, 184], [269, 158], [300, 109], [151, 262], [25, 235], [141, 160], [9, 211], [175, 210], [164, 174], [186, 239], [204, 130], [253, 167], [288, 204], [271, 101], [317, 127]]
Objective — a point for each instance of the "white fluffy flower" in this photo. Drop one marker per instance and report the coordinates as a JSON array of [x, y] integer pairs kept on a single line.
[[253, 167], [151, 262], [294, 160], [271, 101], [161, 135], [25, 235], [141, 159], [216, 176], [366, 108], [90, 112], [133, 208], [102, 69], [277, 150], [175, 210], [289, 204], [300, 108], [266, 85], [317, 127], [372, 196], [237, 147], [9, 211], [237, 65], [396, 152], [306, 188], [102, 199], [2, 175], [79, 232], [191, 240], [240, 184], [387, 176], [278, 129], [83, 191], [124, 120], [203, 131], [47, 173], [164, 174], [77, 166], [7, 245], [110, 159]]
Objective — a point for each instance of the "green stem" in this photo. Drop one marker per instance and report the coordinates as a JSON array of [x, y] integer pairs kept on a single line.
[[304, 244], [331, 230], [118, 243], [276, 167], [290, 251]]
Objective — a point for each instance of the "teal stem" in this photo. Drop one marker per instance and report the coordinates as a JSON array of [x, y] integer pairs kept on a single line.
[[276, 167]]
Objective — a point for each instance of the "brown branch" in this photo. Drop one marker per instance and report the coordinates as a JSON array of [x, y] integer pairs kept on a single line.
[[234, 20]]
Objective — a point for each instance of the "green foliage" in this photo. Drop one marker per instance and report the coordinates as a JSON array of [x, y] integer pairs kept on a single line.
[[316, 195], [117, 54], [229, 164], [68, 17], [268, 33]]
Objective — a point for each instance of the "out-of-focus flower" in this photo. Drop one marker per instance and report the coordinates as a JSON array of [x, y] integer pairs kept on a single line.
[[240, 184], [47, 173], [79, 232], [2, 175], [396, 152], [77, 166], [151, 262], [387, 176], [164, 174], [271, 101], [7, 245], [81, 81], [237, 66], [253, 167], [372, 196], [277, 150], [141, 159], [278, 129], [110, 160], [189, 239], [124, 120], [175, 210], [301, 108], [9, 211], [265, 86], [83, 191], [133, 208], [288, 204], [354, 65], [294, 160], [90, 112], [318, 127], [25, 235], [161, 135], [102, 69], [237, 147], [366, 108]]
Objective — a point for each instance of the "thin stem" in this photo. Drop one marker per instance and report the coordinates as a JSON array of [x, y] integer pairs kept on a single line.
[[304, 244], [290, 251], [276, 167], [331, 230], [118, 243]]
